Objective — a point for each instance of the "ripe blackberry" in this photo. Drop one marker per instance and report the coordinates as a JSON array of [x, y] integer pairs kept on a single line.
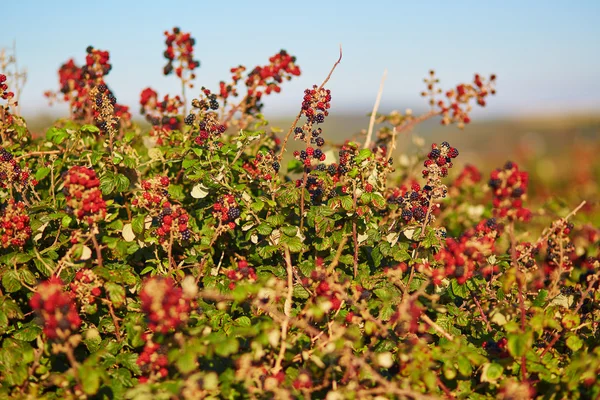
[[320, 141], [419, 214], [89, 49], [494, 183], [445, 144], [414, 196], [491, 223], [102, 88], [317, 153], [518, 192], [407, 215], [6, 156], [275, 166], [332, 169], [233, 213], [189, 120], [314, 133], [509, 165], [343, 169], [303, 155], [214, 105], [186, 235], [435, 153], [321, 167], [298, 130], [320, 118], [99, 100]]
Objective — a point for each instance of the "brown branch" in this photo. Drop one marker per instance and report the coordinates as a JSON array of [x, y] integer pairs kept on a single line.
[[287, 310], [374, 112], [97, 248], [436, 327]]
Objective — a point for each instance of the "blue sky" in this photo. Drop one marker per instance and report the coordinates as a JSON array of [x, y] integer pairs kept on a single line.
[[546, 53]]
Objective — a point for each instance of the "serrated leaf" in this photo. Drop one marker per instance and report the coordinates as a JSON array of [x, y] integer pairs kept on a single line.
[[10, 281], [90, 379], [491, 372], [116, 293]]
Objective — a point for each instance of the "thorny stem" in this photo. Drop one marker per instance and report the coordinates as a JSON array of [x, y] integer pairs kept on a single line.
[[520, 283], [304, 179], [483, 316], [111, 310], [287, 309], [354, 235], [435, 326], [97, 248]]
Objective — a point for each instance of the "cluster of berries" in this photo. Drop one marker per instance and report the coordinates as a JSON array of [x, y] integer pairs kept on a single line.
[[265, 166], [205, 119], [509, 187], [316, 188], [108, 115], [496, 348], [261, 80], [461, 258], [162, 115], [457, 105], [470, 175], [4, 93], [83, 195], [226, 210], [560, 248], [11, 173], [86, 288], [76, 84], [15, 227], [242, 271], [413, 201], [168, 220], [525, 253], [310, 156], [315, 106], [180, 48], [153, 361], [328, 296], [56, 309], [165, 305], [439, 161]]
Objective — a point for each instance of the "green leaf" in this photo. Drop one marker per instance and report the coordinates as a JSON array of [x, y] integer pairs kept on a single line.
[[347, 202], [186, 362], [264, 229], [10, 281], [458, 289], [56, 135], [90, 129], [227, 347], [90, 379], [108, 183], [518, 343], [41, 173], [137, 223], [491, 372], [574, 342], [116, 293], [121, 183]]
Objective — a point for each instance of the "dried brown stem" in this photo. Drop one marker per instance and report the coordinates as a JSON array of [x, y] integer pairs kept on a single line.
[[374, 112]]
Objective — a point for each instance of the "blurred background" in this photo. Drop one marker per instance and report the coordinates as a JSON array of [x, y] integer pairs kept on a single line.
[[546, 55]]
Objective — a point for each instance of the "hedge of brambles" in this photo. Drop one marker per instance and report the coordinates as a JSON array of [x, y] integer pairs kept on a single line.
[[189, 261]]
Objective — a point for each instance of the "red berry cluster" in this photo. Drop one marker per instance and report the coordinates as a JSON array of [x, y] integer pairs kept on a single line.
[[457, 105], [462, 257], [165, 305], [315, 106], [261, 80], [180, 49], [15, 228], [56, 309], [468, 176], [496, 348], [4, 93], [560, 248], [86, 288], [205, 119], [169, 220], [265, 166], [11, 173], [324, 290], [439, 161], [163, 115], [83, 195], [509, 187], [153, 360], [242, 271], [76, 84], [109, 116], [413, 201], [310, 156], [226, 210]]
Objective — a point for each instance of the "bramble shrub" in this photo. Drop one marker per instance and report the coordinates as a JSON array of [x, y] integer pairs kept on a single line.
[[199, 259]]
